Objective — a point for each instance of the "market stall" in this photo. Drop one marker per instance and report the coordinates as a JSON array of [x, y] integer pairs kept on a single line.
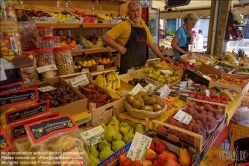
[[70, 106]]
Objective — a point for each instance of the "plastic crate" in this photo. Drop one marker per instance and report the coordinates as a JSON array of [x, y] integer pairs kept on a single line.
[[237, 133]]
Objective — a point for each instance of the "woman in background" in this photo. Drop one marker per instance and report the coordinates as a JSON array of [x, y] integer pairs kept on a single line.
[[184, 37], [199, 41]]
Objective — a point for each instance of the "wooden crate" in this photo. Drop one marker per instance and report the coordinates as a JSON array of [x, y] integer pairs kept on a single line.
[[236, 88]]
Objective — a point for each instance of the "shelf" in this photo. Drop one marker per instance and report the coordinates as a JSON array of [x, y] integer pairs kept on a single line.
[[60, 25], [239, 25], [78, 53], [98, 50], [109, 68], [97, 25], [122, 1]]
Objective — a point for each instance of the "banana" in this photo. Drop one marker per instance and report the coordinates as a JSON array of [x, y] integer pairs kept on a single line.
[[117, 80], [109, 81], [104, 81], [97, 80], [114, 83], [228, 94]]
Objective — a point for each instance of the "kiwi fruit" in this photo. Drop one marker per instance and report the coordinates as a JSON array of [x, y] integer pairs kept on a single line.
[[147, 108], [145, 97], [137, 96], [129, 98], [142, 93], [157, 107], [150, 101], [141, 100], [136, 104], [159, 101]]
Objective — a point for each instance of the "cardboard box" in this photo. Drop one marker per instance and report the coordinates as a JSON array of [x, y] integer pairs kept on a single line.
[[206, 69], [236, 88], [72, 108]]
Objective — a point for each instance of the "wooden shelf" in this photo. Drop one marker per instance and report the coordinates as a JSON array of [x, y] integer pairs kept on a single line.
[[78, 53], [106, 69], [122, 1], [97, 25], [60, 25], [98, 50]]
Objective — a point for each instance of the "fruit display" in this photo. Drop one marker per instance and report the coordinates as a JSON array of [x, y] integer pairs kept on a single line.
[[95, 95], [36, 13], [243, 70], [159, 76], [88, 63], [244, 60], [110, 80], [159, 155], [78, 13], [136, 81], [142, 101], [226, 65], [170, 101], [205, 119], [234, 81], [117, 134], [64, 17], [183, 64], [68, 41], [105, 60], [76, 66]]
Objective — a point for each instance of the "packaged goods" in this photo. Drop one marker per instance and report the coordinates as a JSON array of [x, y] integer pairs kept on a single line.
[[9, 37], [29, 74], [63, 60], [52, 41], [4, 141], [46, 63], [29, 35], [12, 87], [45, 30]]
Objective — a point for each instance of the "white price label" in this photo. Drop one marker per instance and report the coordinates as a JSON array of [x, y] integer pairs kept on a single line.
[[2, 72], [147, 87], [136, 89], [207, 77], [85, 70], [183, 117], [207, 92], [46, 88], [208, 62], [191, 61], [165, 92], [183, 85], [93, 136], [166, 71], [139, 145], [46, 68], [79, 80], [190, 83], [100, 67]]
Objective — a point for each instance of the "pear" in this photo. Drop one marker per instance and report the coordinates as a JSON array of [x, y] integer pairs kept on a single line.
[[110, 134], [115, 126], [119, 136], [128, 137], [93, 151], [140, 128], [103, 144], [94, 161], [103, 125], [125, 130], [185, 158], [116, 145], [106, 152], [113, 120], [123, 124]]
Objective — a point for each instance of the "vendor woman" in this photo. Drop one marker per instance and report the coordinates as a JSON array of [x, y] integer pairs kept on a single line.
[[184, 37]]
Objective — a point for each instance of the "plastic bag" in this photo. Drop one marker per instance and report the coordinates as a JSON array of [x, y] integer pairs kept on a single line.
[[49, 152], [241, 116]]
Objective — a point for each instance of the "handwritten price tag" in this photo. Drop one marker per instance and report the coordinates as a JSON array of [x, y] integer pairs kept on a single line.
[[183, 85], [165, 92], [2, 72], [147, 87], [85, 70], [46, 89], [93, 136], [79, 80], [140, 144], [183, 117], [46, 68], [100, 67], [136, 89]]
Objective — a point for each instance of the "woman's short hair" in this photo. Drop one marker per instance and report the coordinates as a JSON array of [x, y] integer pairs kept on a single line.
[[190, 17]]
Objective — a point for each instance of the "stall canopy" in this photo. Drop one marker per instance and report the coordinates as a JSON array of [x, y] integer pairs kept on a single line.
[[200, 7]]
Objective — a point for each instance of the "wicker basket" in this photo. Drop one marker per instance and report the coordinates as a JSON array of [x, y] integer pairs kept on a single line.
[[106, 65], [86, 58], [142, 114]]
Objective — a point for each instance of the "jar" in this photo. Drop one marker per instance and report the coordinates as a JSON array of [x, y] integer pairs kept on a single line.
[[46, 63], [52, 41], [9, 33], [45, 30], [29, 74], [64, 60]]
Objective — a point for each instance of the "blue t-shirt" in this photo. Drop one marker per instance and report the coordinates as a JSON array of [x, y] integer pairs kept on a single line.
[[182, 35]]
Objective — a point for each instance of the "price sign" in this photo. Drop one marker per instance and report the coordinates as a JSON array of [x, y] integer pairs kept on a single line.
[[207, 92], [140, 144], [2, 72], [136, 89], [165, 92], [183, 85], [93, 136], [85, 70], [166, 71], [46, 68], [79, 80], [207, 77], [190, 82], [100, 67], [147, 87], [183, 117], [191, 61], [46, 89]]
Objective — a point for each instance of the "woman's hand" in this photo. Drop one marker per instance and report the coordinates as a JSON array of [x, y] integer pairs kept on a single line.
[[187, 53]]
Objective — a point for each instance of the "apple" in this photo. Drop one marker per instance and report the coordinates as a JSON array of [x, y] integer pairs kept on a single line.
[[76, 12]]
